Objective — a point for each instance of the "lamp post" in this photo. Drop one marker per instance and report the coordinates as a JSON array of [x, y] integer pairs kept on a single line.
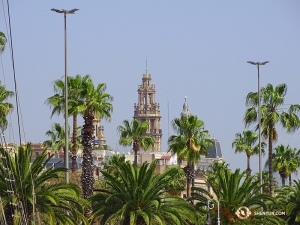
[[211, 205], [258, 64], [66, 151]]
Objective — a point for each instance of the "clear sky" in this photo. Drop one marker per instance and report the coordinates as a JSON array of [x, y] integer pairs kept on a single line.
[[195, 48]]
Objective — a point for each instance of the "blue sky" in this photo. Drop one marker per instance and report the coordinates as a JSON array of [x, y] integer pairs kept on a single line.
[[195, 48]]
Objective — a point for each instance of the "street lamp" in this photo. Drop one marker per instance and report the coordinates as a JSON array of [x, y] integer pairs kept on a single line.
[[257, 64], [211, 205], [65, 12]]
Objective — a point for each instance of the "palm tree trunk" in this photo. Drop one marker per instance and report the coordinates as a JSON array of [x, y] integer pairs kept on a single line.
[[74, 141], [282, 177], [270, 155], [248, 165], [188, 187], [87, 177], [290, 180], [189, 174], [136, 148], [135, 159]]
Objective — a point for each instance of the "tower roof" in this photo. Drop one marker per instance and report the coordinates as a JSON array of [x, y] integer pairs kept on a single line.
[[185, 108]]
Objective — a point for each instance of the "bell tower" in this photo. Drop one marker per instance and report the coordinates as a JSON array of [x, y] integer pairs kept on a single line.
[[99, 135], [148, 110]]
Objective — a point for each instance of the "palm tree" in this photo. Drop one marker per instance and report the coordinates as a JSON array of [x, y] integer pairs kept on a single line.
[[244, 142], [293, 164], [3, 41], [134, 133], [272, 113], [31, 191], [5, 107], [57, 101], [191, 142], [234, 190], [285, 160], [136, 195], [289, 198], [57, 138], [93, 102]]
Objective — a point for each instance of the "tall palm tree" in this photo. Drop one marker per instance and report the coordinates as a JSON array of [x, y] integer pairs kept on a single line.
[[136, 195], [245, 142], [191, 142], [289, 198], [5, 107], [30, 191], [57, 103], [134, 133], [272, 113], [234, 190], [93, 102], [285, 160], [3, 41]]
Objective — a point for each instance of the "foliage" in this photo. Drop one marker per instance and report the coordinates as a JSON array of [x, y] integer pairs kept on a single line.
[[138, 196], [25, 184], [272, 113], [134, 133], [234, 190]]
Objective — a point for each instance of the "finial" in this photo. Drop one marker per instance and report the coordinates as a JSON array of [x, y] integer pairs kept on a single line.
[[146, 65], [185, 98]]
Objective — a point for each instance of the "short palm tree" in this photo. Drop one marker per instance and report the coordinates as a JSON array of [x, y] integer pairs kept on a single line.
[[289, 198], [234, 190], [191, 142], [37, 190], [5, 107], [57, 138], [245, 142], [272, 113], [285, 161], [136, 195], [93, 102], [134, 133]]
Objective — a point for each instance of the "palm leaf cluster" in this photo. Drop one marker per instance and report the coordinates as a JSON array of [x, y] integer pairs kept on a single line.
[[3, 41], [286, 161], [289, 199], [134, 133], [29, 192], [5, 107], [138, 196]]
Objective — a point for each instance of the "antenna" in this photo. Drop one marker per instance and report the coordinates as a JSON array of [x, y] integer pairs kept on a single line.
[[168, 117]]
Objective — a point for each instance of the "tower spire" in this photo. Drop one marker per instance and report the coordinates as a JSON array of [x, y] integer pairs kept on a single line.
[[146, 65]]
